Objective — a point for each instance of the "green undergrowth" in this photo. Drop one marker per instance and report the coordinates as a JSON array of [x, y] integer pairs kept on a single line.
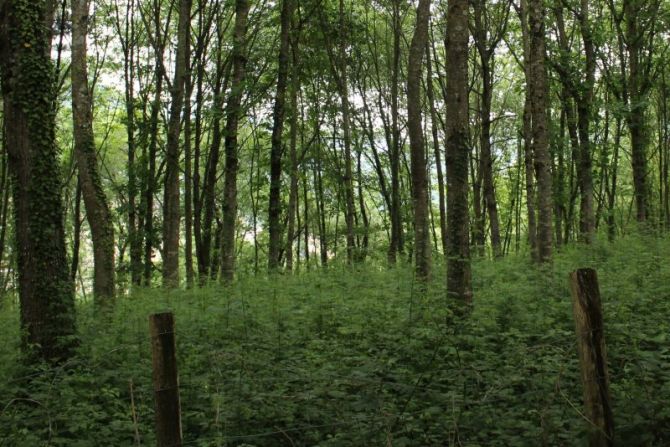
[[359, 358]]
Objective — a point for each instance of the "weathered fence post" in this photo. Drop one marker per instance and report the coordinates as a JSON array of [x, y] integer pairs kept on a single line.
[[587, 310], [166, 380]]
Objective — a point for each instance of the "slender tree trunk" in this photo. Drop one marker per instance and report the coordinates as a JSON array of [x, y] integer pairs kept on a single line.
[[539, 95], [459, 276], [150, 178], [46, 292], [350, 210], [134, 234], [171, 215], [97, 210], [76, 233], [637, 107], [436, 150], [611, 199], [4, 207], [321, 207], [274, 213], [210, 180], [587, 221], [293, 161], [188, 178], [197, 141], [233, 112], [396, 245], [529, 157], [417, 147]]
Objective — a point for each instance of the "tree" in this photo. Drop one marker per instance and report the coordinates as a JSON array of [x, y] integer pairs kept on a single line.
[[274, 213], [459, 276], [171, 192], [397, 240], [46, 293], [417, 148], [538, 91], [97, 210], [496, 26], [233, 113]]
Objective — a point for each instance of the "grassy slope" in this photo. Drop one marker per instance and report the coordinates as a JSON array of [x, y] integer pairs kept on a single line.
[[357, 359]]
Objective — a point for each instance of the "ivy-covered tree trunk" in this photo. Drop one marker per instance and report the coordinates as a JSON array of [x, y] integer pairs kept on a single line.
[[233, 113], [459, 276], [416, 142], [46, 293], [97, 209], [274, 213], [171, 192]]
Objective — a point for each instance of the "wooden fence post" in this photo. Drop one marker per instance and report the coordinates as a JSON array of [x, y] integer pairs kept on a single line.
[[166, 380], [587, 310]]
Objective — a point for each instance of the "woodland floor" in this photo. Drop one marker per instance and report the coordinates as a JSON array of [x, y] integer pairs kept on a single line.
[[358, 359]]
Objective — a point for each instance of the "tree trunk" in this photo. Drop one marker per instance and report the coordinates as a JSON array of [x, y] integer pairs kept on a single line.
[[396, 245], [188, 177], [171, 192], [343, 83], [436, 150], [459, 276], [637, 107], [233, 112], [528, 137], [293, 161], [97, 210], [274, 213], [539, 97], [150, 175], [134, 234], [46, 293], [587, 219], [417, 148], [486, 50]]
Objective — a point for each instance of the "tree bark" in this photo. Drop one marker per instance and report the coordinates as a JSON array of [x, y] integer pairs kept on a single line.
[[436, 150], [171, 215], [348, 181], [97, 209], [396, 245], [150, 174], [293, 161], [539, 97], [233, 113], [416, 141], [46, 293], [459, 276], [274, 213], [528, 137], [188, 176], [486, 49]]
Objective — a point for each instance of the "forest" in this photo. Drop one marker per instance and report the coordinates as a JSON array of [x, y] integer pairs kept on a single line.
[[334, 223]]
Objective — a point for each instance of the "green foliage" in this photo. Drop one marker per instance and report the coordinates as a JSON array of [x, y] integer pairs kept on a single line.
[[341, 358]]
